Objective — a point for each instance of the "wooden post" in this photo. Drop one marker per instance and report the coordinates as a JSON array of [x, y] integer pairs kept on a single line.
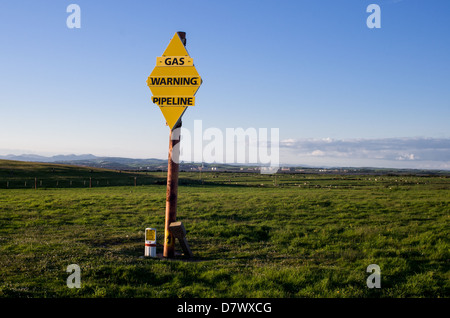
[[172, 191], [35, 183]]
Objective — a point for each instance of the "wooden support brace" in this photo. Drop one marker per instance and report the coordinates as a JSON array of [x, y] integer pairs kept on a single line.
[[178, 231]]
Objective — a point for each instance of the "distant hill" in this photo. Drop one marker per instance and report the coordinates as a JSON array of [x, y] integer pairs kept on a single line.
[[89, 160], [118, 163], [152, 164], [121, 163], [16, 174], [37, 158]]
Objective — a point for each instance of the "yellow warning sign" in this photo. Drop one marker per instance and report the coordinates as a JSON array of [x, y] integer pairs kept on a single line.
[[174, 81], [150, 234]]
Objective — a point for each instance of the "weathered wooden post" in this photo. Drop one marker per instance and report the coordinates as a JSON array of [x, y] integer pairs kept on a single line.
[[172, 191]]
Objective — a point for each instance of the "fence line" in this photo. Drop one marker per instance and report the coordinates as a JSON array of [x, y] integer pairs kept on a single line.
[[36, 183]]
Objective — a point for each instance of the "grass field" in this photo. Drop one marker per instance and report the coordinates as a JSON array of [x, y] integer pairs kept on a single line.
[[252, 236]]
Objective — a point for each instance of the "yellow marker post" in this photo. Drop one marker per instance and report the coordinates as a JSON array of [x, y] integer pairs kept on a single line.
[[150, 242]]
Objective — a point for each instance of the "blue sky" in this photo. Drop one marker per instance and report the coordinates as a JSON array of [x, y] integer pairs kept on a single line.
[[313, 69]]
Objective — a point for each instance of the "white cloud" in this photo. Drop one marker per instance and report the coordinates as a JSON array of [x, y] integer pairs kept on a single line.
[[406, 157], [430, 153], [317, 153]]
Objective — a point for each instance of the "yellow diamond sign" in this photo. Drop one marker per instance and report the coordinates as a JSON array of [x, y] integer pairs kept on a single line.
[[174, 81]]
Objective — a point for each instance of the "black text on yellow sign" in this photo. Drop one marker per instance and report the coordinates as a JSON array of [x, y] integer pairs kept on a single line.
[[173, 101], [174, 61], [174, 81]]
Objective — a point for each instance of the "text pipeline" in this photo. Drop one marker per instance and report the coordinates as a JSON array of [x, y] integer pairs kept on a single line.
[[173, 101]]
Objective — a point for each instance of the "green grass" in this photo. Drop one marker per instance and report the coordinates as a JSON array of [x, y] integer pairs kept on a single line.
[[309, 236]]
